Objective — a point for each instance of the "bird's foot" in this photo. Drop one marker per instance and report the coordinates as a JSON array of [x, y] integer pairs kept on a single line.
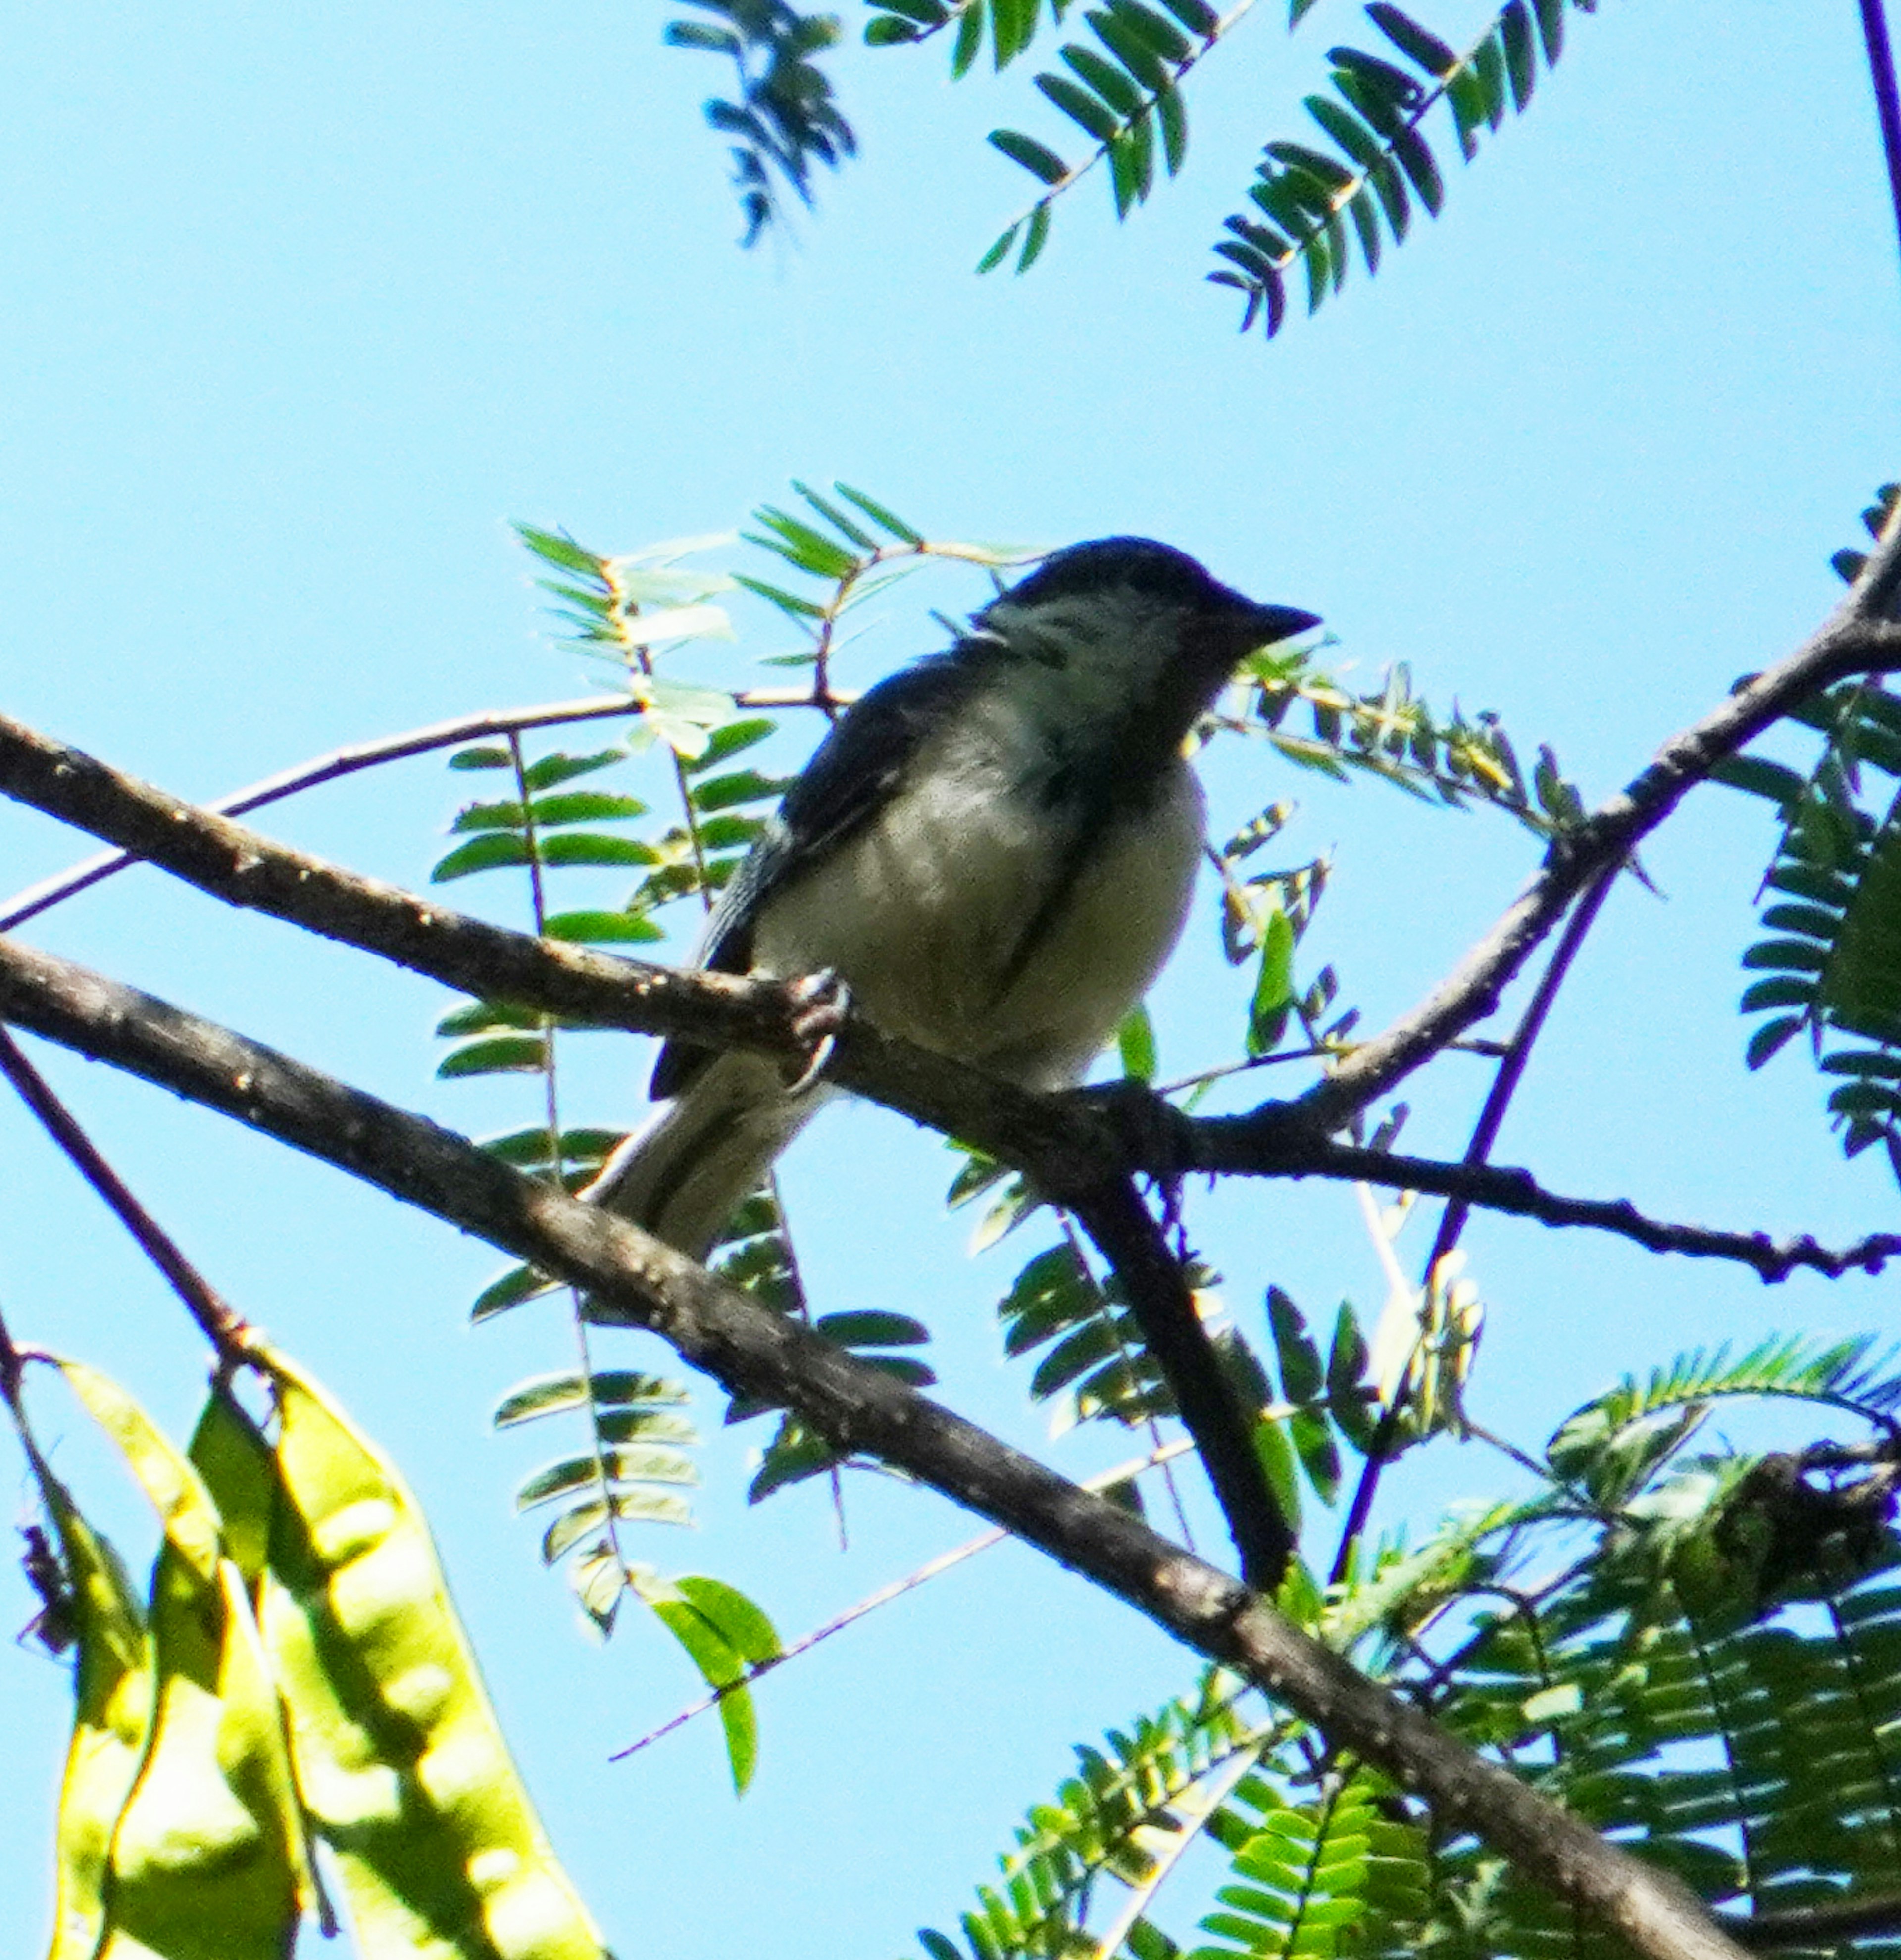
[[822, 1001], [1151, 1134]]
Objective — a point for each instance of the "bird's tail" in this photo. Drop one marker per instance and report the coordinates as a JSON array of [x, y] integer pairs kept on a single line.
[[684, 1173]]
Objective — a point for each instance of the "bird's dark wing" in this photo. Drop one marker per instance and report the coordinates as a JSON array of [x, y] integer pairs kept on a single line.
[[845, 784]]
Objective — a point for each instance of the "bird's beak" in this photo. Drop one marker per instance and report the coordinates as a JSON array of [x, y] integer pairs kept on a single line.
[[1273, 624]]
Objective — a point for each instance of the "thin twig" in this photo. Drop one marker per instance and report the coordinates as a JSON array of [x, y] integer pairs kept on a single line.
[[1814, 1925], [1504, 1085], [11, 1370], [1492, 1051], [41, 897], [802, 1310], [1231, 1146], [597, 1445], [931, 1569], [1517, 1058], [217, 1320]]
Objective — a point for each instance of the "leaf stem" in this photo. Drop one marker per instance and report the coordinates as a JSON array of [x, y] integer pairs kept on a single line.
[[931, 1569]]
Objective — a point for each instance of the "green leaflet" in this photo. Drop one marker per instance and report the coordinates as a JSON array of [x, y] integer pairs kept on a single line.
[[728, 1638], [1155, 1785], [784, 122], [1321, 1876], [1378, 117], [1135, 1041], [1831, 948], [1273, 985]]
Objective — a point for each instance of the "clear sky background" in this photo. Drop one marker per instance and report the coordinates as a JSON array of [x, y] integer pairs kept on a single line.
[[300, 307]]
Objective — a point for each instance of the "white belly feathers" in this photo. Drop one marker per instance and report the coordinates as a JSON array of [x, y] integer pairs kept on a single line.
[[924, 912]]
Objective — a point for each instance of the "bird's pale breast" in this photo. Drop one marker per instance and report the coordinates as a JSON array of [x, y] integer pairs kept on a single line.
[[969, 917]]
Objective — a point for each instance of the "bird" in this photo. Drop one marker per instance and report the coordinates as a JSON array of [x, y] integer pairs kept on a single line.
[[992, 852]]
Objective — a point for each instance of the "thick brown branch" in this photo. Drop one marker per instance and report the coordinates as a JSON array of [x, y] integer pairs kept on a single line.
[[1244, 1146], [1125, 1233], [635, 1279], [1815, 1925], [1855, 639], [242, 868]]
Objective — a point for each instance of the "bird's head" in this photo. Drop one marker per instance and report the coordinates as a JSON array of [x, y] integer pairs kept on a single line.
[[1132, 623]]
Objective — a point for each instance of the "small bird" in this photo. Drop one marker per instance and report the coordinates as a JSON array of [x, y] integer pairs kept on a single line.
[[994, 850]]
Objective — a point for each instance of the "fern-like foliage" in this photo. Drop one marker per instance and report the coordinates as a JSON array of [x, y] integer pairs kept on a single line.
[[1336, 1871], [1312, 206], [1007, 27], [1093, 1364], [630, 1464], [1123, 91], [634, 1468], [784, 117], [1700, 1655], [755, 1255], [1110, 1832], [1616, 1445], [1392, 733], [1830, 960]]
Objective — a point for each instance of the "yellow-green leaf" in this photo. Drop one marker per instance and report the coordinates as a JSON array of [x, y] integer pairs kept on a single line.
[[112, 1712], [207, 1861], [184, 1508], [206, 1856], [398, 1754]]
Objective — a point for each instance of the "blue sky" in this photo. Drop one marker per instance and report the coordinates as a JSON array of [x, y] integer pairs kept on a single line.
[[302, 307]]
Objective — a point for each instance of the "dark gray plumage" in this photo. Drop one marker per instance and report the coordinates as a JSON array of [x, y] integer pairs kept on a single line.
[[994, 850]]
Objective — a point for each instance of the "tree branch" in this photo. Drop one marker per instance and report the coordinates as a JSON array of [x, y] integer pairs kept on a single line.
[[1073, 1153], [1814, 1925], [634, 1279], [1857, 638], [1125, 1233], [1887, 99], [1073, 1147], [337, 763], [1231, 1145], [217, 1320]]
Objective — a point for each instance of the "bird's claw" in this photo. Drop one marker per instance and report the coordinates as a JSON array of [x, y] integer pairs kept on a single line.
[[1151, 1132], [822, 1001]]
